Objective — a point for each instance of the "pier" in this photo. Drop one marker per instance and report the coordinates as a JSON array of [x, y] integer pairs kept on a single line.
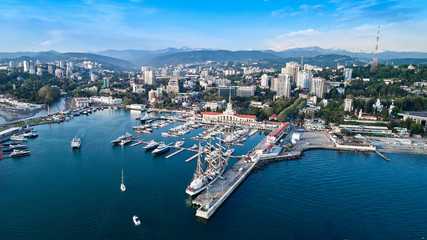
[[174, 153], [382, 155]]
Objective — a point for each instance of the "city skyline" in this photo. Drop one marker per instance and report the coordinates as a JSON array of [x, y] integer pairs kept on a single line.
[[92, 25]]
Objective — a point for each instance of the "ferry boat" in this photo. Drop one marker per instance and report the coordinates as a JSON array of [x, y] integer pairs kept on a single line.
[[136, 220], [162, 148], [151, 145], [76, 143], [179, 143], [122, 186], [204, 176], [20, 153], [118, 140]]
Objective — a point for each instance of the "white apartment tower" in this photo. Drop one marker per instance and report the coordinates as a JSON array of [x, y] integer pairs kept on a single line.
[[304, 78], [264, 81], [149, 77], [318, 86], [292, 68], [284, 85], [348, 105], [347, 74]]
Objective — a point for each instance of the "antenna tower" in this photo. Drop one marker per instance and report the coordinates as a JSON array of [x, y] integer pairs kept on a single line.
[[374, 64]]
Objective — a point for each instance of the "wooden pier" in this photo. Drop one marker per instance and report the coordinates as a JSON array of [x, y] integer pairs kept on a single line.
[[174, 153], [193, 157]]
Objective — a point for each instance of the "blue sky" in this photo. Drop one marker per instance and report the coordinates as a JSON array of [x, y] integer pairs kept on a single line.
[[92, 25]]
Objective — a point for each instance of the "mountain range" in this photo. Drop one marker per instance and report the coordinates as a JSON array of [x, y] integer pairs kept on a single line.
[[129, 59]]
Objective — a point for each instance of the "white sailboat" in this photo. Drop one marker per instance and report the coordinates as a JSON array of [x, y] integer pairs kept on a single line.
[[122, 186]]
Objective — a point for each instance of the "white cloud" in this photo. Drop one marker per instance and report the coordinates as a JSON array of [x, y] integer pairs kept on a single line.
[[404, 36], [45, 43], [301, 32]]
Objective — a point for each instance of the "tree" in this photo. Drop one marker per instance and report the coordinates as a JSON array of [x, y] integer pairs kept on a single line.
[[49, 94]]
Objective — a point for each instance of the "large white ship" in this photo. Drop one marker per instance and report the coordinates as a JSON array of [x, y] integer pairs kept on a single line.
[[206, 175]]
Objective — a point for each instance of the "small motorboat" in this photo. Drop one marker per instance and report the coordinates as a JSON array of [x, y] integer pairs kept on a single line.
[[136, 220]]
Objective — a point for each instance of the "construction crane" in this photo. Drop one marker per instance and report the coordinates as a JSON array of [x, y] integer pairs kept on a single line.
[[60, 111], [374, 64]]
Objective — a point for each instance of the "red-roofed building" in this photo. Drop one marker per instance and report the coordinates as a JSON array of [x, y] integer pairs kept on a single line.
[[228, 116], [273, 117]]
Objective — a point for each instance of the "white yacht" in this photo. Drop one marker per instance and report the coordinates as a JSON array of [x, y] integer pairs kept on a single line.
[[76, 143], [124, 141], [136, 220], [179, 143], [151, 145], [18, 138], [122, 186], [118, 140], [161, 149]]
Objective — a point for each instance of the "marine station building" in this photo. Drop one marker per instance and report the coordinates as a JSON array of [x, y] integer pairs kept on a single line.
[[228, 116]]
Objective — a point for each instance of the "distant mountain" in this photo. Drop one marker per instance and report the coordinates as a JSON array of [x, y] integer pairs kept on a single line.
[[141, 57], [213, 55], [316, 51], [51, 56]]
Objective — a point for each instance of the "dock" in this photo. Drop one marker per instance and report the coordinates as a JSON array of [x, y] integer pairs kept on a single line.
[[137, 143], [191, 158], [382, 155], [174, 153], [210, 200]]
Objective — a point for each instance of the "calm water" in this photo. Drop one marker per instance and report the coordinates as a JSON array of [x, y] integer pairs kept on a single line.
[[57, 193]]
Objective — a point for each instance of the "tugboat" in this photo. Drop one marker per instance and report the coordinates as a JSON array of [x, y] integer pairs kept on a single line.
[[162, 148], [76, 143]]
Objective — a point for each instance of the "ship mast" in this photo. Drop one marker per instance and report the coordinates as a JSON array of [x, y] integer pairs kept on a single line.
[[199, 164]]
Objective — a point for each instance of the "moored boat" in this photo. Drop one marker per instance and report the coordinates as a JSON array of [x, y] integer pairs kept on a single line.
[[118, 140], [151, 145], [20, 153], [162, 148]]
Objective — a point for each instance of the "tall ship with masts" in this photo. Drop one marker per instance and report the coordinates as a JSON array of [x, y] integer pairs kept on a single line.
[[210, 170]]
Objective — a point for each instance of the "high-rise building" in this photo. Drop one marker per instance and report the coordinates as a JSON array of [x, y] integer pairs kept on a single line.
[[173, 85], [149, 77], [59, 73], [11, 65], [292, 68], [303, 79], [273, 86], [284, 85], [50, 69], [26, 64], [317, 86], [348, 105], [39, 71], [106, 82], [264, 81], [61, 64], [32, 69], [347, 74], [246, 91], [225, 92]]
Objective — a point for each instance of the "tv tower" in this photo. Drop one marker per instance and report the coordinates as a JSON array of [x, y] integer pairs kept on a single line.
[[374, 64]]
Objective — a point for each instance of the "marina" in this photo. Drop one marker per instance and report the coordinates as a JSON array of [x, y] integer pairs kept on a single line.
[[233, 199]]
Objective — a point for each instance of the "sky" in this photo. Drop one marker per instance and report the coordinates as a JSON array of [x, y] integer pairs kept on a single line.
[[95, 25]]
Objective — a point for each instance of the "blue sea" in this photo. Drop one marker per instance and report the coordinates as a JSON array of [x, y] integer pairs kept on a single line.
[[59, 193]]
